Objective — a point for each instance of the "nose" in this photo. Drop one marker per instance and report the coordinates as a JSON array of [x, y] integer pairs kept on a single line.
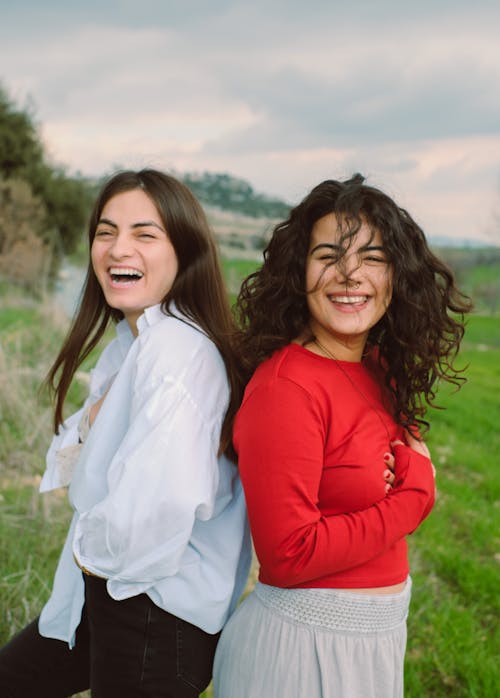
[[120, 247], [347, 269]]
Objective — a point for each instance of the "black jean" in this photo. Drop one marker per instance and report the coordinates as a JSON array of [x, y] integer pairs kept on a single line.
[[127, 649]]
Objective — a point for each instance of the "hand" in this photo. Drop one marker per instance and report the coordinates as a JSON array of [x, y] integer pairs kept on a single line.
[[94, 410], [419, 447]]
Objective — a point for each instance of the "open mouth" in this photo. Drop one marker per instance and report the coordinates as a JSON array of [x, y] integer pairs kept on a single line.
[[348, 300], [121, 275]]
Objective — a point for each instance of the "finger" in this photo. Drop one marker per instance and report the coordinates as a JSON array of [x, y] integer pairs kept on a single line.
[[389, 476], [389, 460]]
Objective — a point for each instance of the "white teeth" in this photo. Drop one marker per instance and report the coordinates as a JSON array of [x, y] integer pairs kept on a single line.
[[127, 271], [349, 299]]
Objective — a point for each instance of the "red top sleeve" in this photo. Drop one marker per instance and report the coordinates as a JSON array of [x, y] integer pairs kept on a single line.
[[279, 436]]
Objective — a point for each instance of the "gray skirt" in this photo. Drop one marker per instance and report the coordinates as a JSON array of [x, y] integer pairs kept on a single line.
[[313, 643]]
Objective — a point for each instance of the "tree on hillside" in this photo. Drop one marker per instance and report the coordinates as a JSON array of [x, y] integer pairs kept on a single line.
[[25, 256], [20, 147], [66, 200]]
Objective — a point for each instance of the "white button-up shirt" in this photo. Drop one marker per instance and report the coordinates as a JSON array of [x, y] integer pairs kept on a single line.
[[156, 509]]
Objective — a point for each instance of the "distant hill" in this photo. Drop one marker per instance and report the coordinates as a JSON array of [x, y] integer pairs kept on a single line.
[[233, 194]]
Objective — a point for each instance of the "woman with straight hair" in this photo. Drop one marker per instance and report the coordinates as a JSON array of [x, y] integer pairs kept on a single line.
[[158, 550], [347, 328]]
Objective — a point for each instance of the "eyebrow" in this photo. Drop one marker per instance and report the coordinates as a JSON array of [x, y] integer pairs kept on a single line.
[[139, 224], [330, 246]]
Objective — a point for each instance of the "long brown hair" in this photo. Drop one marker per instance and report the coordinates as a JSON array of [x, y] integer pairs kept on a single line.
[[198, 290], [419, 336]]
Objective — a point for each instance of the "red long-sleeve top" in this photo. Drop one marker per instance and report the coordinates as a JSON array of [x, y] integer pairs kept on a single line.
[[311, 434]]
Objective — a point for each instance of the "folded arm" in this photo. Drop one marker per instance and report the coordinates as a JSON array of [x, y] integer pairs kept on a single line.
[[280, 443]]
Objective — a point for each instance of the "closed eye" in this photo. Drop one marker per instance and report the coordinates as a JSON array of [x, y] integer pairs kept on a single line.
[[329, 258], [374, 258]]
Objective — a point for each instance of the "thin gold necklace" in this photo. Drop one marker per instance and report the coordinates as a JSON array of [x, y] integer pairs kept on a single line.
[[356, 388], [325, 350]]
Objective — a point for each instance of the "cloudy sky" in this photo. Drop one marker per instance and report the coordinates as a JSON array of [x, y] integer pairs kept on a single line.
[[283, 93]]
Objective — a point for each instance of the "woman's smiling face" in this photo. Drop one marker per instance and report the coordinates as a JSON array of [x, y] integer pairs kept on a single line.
[[132, 256], [347, 294]]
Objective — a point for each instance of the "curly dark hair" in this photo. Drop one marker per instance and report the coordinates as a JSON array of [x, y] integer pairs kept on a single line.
[[419, 336]]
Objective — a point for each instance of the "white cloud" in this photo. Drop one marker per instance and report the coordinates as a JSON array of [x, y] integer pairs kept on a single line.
[[284, 93]]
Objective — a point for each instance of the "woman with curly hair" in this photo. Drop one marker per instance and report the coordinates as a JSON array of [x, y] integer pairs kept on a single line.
[[347, 329]]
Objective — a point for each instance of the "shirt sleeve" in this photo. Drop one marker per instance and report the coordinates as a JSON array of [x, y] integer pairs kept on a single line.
[[280, 437], [68, 437], [163, 476]]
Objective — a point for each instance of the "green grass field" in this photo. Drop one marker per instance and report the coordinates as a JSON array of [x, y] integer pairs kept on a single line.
[[453, 628], [453, 633]]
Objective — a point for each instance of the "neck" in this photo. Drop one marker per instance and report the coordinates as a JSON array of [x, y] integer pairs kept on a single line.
[[133, 327], [335, 347]]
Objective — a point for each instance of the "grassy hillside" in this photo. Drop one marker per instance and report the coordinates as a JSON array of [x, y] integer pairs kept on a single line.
[[478, 274], [453, 628], [453, 632]]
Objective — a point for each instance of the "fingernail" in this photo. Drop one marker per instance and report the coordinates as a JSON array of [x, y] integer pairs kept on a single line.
[[387, 473], [387, 456]]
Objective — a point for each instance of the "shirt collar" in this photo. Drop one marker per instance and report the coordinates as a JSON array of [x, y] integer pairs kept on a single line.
[[154, 314], [151, 316]]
